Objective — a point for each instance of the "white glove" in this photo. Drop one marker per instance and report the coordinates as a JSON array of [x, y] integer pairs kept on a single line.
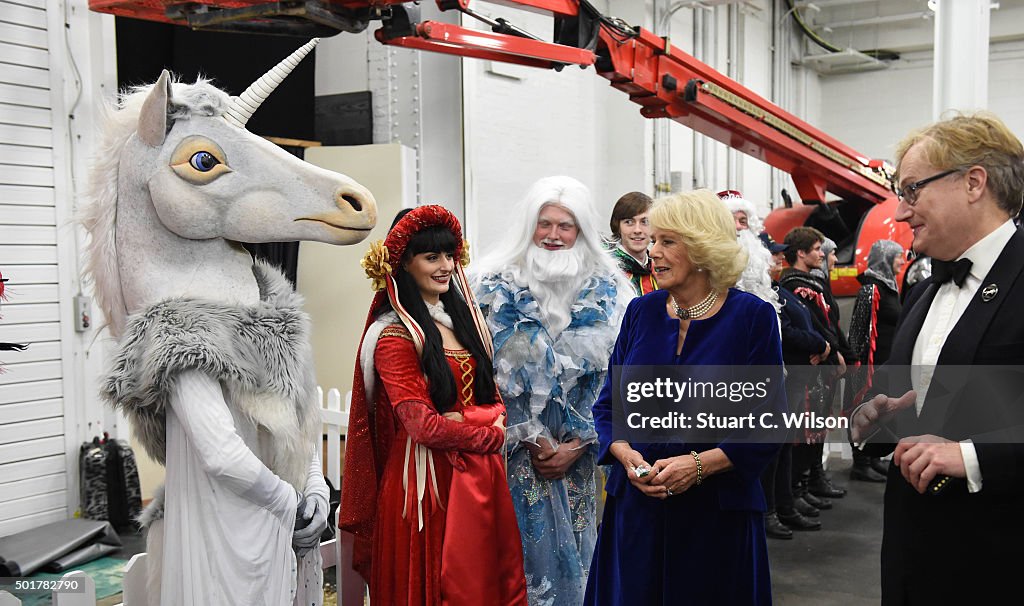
[[310, 522]]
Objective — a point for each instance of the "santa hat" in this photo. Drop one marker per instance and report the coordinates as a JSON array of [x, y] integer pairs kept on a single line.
[[735, 201]]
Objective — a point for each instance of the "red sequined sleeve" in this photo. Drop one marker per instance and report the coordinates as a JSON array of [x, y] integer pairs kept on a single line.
[[402, 379]]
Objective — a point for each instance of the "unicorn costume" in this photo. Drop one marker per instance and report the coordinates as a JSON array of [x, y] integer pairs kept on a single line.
[[213, 364], [223, 396]]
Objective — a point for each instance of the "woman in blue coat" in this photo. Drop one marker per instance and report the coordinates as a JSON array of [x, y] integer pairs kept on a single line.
[[683, 522]]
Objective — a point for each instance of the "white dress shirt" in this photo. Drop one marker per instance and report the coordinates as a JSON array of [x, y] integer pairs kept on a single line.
[[946, 310]]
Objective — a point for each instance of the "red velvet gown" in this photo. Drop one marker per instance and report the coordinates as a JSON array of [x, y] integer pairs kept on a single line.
[[458, 544]]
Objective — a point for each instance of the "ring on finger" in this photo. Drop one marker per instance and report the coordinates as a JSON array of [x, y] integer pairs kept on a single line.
[[669, 492]]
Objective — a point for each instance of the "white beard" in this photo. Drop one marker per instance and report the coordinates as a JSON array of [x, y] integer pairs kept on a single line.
[[555, 278]]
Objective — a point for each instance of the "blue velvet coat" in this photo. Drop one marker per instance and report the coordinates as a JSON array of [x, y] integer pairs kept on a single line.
[[707, 545]]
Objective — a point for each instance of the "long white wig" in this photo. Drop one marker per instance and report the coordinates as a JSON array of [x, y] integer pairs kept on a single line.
[[561, 191], [512, 257]]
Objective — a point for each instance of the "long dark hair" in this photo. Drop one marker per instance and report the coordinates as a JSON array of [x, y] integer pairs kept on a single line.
[[441, 382]]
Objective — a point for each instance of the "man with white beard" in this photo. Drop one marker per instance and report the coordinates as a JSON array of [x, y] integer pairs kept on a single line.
[[755, 279], [553, 299]]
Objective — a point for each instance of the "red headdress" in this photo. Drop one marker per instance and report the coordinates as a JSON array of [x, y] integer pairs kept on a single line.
[[369, 437]]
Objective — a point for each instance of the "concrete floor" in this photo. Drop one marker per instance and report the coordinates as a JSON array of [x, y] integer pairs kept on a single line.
[[838, 564], [835, 565]]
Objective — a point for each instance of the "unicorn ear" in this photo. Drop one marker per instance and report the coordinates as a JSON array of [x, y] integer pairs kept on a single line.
[[153, 119]]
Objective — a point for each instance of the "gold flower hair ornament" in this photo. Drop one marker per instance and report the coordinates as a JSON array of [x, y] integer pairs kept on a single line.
[[375, 264], [464, 255]]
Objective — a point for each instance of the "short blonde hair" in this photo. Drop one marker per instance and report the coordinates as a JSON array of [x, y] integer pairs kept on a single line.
[[979, 139], [708, 232]]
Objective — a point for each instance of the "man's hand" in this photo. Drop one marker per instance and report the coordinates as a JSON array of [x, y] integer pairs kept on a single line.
[[539, 452], [877, 410], [922, 458], [542, 446], [632, 460], [554, 464], [841, 370], [454, 416]]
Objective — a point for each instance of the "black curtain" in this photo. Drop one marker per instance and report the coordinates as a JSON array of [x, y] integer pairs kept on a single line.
[[231, 61]]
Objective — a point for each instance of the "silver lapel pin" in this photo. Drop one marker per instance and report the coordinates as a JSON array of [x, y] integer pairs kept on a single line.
[[989, 292]]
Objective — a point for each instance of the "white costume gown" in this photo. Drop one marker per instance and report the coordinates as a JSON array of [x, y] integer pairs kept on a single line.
[[228, 519]]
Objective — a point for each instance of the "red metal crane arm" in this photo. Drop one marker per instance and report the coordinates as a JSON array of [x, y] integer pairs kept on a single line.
[[669, 83], [665, 81]]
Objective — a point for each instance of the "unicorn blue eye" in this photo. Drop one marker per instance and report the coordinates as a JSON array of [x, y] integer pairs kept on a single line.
[[203, 161]]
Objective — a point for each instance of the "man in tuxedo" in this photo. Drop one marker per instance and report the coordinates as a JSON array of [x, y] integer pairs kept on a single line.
[[952, 419]]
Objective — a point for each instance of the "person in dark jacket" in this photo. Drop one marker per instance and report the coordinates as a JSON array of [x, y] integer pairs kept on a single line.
[[805, 253], [801, 345], [885, 261], [817, 480], [879, 301], [955, 489], [824, 275]]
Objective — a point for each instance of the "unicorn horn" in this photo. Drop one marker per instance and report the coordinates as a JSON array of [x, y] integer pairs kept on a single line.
[[245, 105]]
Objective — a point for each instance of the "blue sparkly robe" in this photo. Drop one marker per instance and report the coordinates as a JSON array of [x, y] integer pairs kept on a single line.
[[707, 545], [549, 385]]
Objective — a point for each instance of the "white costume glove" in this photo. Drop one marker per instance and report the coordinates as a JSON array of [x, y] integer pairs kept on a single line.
[[310, 522], [312, 510]]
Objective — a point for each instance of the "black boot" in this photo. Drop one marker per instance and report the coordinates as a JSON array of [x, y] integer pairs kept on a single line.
[[862, 469], [800, 504], [817, 501], [774, 528], [795, 521], [865, 473], [804, 508], [821, 485], [880, 466]]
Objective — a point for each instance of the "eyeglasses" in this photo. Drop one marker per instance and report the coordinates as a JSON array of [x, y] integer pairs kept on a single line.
[[908, 194]]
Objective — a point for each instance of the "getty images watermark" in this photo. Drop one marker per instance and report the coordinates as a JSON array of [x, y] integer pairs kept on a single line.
[[765, 404], [709, 404]]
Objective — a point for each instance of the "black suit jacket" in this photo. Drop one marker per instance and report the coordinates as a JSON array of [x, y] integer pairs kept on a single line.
[[956, 547]]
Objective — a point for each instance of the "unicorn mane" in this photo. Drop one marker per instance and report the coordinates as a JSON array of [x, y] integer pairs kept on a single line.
[[99, 214]]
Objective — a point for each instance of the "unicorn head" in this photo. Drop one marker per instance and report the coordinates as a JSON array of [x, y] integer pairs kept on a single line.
[[178, 182]]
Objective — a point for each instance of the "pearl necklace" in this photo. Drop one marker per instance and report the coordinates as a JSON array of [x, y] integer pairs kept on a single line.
[[698, 310]]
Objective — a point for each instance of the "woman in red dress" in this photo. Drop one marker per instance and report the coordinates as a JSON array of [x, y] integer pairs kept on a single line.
[[424, 490]]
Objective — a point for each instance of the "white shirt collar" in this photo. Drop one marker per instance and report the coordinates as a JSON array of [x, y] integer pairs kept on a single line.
[[984, 253], [623, 249]]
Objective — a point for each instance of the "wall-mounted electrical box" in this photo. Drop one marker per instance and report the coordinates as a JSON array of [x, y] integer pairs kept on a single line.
[[83, 313]]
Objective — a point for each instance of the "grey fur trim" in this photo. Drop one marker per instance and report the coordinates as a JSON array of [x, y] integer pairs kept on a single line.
[[154, 511], [259, 353]]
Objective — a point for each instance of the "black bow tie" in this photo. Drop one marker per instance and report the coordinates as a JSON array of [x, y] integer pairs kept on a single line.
[[944, 271]]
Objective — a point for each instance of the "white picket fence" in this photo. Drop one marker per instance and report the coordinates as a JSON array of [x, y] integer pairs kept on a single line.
[[351, 589]]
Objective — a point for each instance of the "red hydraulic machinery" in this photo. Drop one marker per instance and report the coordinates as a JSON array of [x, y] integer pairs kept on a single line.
[[665, 81]]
